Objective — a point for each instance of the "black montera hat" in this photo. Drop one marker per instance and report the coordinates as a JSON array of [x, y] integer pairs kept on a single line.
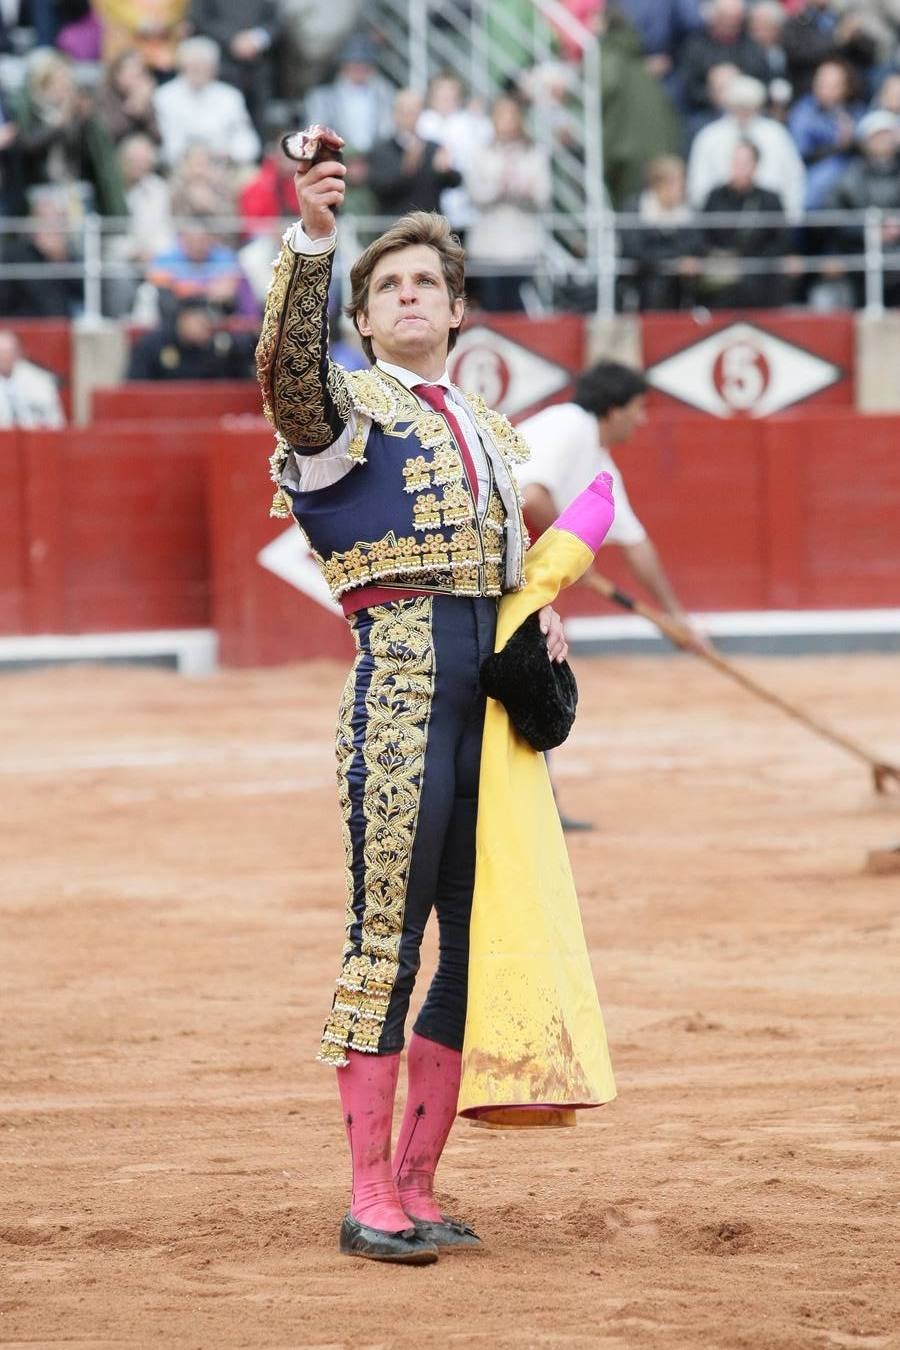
[[539, 695]]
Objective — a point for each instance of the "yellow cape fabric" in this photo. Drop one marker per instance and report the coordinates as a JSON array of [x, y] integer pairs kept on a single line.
[[534, 1029]]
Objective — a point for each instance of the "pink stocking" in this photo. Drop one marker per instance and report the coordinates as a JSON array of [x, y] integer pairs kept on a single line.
[[368, 1084], [434, 1073]]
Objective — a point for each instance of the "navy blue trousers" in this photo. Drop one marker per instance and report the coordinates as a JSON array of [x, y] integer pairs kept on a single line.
[[408, 750]]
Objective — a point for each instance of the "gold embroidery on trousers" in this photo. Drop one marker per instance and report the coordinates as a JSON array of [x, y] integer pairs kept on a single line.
[[397, 711]]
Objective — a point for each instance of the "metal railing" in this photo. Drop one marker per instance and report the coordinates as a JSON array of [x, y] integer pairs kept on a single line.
[[488, 47], [600, 270]]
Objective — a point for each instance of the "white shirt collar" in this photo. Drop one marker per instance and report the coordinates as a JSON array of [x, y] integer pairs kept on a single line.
[[409, 379]]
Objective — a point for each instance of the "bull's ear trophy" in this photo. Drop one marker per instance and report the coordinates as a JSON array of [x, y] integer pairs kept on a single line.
[[313, 145]]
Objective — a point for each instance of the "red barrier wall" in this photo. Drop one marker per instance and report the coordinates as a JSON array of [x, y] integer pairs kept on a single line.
[[14, 537], [748, 514], [103, 528], [143, 400], [261, 620], [788, 512], [124, 526]]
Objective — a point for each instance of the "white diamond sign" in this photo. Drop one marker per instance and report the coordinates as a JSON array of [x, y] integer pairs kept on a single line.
[[508, 376], [742, 369], [288, 556]]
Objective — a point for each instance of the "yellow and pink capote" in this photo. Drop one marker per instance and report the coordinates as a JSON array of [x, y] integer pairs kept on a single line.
[[535, 1047]]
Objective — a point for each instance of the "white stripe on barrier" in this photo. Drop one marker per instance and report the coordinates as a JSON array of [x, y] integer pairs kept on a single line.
[[195, 650]]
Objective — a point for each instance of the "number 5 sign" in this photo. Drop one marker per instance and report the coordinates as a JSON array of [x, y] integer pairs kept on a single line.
[[742, 370]]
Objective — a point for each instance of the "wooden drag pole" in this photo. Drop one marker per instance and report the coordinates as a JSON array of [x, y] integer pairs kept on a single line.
[[882, 773]]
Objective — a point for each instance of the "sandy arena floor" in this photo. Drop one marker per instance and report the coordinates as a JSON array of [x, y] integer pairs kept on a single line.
[[172, 1162]]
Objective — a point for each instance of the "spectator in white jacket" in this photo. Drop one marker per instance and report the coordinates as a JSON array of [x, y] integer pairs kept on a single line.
[[510, 186], [780, 168], [197, 109], [463, 130], [28, 394]]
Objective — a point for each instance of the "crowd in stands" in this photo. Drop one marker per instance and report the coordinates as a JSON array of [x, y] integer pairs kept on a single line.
[[167, 115]]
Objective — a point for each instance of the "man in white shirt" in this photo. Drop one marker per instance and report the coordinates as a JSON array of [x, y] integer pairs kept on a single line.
[[196, 108], [569, 446], [29, 396], [404, 490]]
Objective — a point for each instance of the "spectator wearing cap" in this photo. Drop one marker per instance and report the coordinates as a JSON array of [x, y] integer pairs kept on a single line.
[[724, 37], [823, 125], [873, 180], [780, 167], [29, 396], [726, 282], [190, 347], [359, 104], [406, 172], [246, 32], [197, 108], [359, 101]]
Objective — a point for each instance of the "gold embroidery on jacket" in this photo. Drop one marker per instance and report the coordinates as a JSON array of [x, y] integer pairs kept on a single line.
[[398, 707], [374, 396], [289, 351], [440, 560], [448, 545], [510, 442]]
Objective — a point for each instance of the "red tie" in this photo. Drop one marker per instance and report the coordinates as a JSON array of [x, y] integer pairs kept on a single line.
[[435, 395]]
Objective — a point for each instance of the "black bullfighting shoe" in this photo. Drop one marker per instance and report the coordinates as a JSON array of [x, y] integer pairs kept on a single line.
[[447, 1233], [409, 1247]]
